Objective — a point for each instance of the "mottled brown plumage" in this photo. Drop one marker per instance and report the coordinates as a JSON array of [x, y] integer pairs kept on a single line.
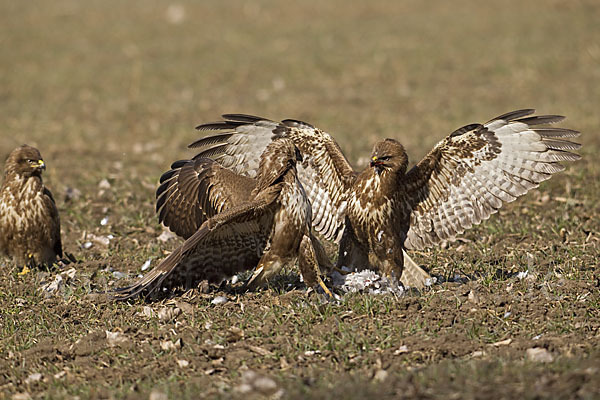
[[261, 223], [383, 210], [29, 222]]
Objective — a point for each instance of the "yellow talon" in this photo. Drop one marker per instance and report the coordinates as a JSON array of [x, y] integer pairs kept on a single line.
[[325, 288], [24, 271]]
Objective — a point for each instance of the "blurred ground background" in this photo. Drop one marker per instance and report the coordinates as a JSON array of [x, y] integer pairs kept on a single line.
[[110, 92]]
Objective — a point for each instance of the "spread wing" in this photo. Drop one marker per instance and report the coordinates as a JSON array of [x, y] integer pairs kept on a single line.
[[471, 173], [324, 172], [196, 190], [228, 243]]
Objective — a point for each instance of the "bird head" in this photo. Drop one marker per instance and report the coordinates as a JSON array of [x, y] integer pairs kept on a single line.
[[389, 155], [25, 161]]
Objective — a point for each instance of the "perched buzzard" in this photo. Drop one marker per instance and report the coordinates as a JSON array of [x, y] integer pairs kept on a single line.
[[29, 223], [267, 229], [379, 212]]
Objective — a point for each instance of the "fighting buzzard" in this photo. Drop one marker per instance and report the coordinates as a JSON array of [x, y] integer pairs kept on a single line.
[[267, 229], [29, 223], [379, 212]]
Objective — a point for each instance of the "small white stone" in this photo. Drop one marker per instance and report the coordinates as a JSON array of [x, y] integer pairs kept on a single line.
[[115, 338], [219, 300], [158, 395], [118, 274], [539, 354], [146, 265], [310, 353], [104, 221], [381, 375], [165, 236], [87, 245], [148, 311], [60, 374], [104, 184], [35, 377]]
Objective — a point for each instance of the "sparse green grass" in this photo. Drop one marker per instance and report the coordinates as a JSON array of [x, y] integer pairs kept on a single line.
[[112, 90]]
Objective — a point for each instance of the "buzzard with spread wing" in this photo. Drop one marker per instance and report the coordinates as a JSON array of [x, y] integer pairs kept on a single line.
[[261, 223], [29, 222], [378, 213]]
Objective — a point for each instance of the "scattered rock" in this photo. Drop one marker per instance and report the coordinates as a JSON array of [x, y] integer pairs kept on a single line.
[[219, 300], [60, 375], [183, 363], [104, 184], [234, 334], [472, 297], [504, 342], [260, 350], [253, 382], [310, 353], [380, 376], [146, 265], [166, 235], [168, 345], [401, 350], [116, 338], [186, 308], [539, 354], [168, 313], [158, 395], [147, 311], [35, 377], [21, 396], [72, 194], [118, 275]]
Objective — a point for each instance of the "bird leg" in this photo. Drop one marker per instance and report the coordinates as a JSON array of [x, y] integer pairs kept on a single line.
[[309, 267]]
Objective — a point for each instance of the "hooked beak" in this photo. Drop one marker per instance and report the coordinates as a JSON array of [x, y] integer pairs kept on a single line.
[[41, 165], [375, 162]]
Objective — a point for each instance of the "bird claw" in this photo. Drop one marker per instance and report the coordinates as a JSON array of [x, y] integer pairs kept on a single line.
[[24, 271]]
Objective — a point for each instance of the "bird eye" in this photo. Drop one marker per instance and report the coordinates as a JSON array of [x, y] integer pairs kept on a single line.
[[30, 161]]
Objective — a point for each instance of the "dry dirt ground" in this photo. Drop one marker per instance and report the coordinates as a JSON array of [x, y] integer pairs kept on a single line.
[[110, 92]]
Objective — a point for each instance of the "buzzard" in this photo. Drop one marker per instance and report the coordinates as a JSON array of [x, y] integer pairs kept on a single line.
[[378, 213], [267, 228], [29, 222]]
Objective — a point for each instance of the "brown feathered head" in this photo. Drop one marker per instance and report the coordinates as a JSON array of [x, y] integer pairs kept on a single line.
[[25, 161], [278, 158], [389, 155]]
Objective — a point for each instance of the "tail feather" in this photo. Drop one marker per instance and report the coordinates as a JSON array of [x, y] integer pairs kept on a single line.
[[413, 275]]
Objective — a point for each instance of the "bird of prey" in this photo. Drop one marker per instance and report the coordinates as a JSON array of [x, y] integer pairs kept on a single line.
[[378, 213], [29, 222], [267, 228]]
